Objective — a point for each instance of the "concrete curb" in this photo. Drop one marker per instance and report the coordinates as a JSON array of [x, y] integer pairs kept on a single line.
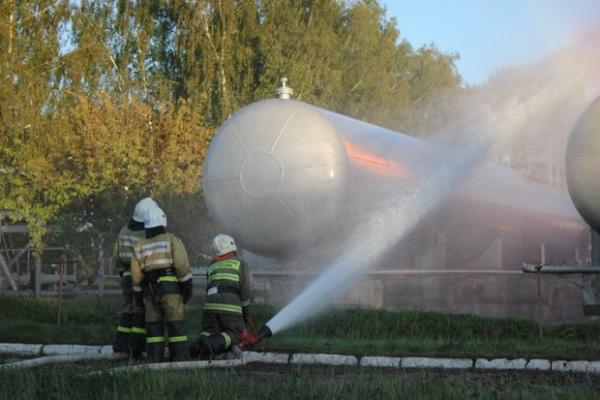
[[72, 353], [323, 359], [265, 358], [538, 364], [430, 362], [500, 363], [592, 367], [381, 362]]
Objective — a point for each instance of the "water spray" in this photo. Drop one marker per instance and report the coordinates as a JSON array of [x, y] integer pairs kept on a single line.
[[325, 174], [380, 230]]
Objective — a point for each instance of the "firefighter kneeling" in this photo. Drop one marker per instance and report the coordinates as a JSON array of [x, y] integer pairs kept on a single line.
[[227, 302], [161, 273]]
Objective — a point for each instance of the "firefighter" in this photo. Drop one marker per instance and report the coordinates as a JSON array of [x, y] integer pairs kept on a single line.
[[227, 301], [131, 331], [161, 274]]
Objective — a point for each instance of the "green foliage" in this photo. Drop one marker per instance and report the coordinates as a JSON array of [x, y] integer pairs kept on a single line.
[[29, 38], [102, 103]]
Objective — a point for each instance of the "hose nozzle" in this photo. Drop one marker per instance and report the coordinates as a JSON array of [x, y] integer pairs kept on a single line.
[[264, 333]]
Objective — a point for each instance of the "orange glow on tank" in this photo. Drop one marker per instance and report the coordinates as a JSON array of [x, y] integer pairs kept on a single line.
[[380, 165]]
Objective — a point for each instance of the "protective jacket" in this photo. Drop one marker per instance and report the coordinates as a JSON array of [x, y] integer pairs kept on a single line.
[[228, 291], [228, 286], [123, 251], [160, 268], [131, 331], [165, 255]]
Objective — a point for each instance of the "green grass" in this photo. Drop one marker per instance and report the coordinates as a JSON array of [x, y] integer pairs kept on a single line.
[[360, 332], [252, 382]]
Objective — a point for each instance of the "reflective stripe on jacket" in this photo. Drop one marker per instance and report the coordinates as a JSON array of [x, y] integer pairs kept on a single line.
[[161, 252], [224, 273], [126, 240], [228, 287]]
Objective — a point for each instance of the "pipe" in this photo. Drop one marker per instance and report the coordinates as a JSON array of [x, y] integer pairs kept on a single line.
[[595, 247], [34, 362], [559, 269]]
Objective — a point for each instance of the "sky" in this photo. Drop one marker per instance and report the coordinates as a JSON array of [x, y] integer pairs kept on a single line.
[[493, 34]]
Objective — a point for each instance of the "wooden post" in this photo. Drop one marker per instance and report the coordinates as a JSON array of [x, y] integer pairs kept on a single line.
[[539, 290], [539, 303], [443, 249], [74, 264], [29, 262], [100, 261], [7, 273], [500, 253], [61, 275], [543, 253], [37, 276], [595, 248]]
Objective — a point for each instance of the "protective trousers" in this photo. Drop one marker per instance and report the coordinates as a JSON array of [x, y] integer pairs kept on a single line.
[[131, 331], [161, 310], [221, 331]]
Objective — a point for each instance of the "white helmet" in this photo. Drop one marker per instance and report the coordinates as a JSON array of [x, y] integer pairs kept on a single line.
[[155, 216], [223, 244], [141, 208]]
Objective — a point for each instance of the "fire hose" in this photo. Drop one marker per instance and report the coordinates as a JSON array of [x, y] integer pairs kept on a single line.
[[250, 337]]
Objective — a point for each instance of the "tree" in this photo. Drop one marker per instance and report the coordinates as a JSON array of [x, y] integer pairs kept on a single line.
[[104, 102], [29, 84], [123, 149], [373, 84], [299, 40]]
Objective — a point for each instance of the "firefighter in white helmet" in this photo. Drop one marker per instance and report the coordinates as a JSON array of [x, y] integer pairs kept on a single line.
[[161, 271], [131, 331], [227, 303]]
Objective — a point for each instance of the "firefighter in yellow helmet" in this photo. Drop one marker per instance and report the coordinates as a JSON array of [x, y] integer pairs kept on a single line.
[[131, 330], [160, 270], [227, 303]]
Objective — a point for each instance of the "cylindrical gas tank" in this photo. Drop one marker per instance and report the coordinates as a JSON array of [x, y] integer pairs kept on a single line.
[[583, 165], [280, 175]]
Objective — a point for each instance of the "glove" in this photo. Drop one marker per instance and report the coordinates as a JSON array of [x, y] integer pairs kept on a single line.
[[186, 289], [246, 314]]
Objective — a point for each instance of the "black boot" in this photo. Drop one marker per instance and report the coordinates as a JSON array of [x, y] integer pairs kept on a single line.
[[138, 336], [178, 341], [155, 341], [216, 344], [121, 343], [197, 348]]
